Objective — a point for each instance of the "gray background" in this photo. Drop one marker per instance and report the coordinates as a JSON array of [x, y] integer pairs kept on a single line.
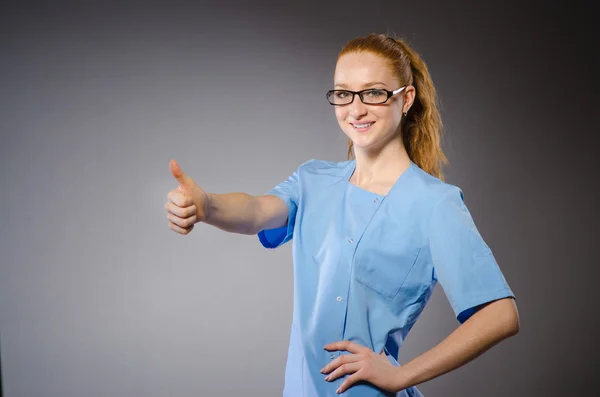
[[98, 297]]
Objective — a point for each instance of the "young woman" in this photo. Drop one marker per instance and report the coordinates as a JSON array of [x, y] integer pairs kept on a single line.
[[372, 237]]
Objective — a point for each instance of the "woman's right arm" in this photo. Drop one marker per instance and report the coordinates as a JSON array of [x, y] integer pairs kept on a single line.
[[245, 214], [241, 213]]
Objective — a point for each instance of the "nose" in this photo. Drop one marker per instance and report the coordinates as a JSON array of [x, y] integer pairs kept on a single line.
[[357, 108]]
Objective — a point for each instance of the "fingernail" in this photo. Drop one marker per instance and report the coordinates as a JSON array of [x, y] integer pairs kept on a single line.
[[338, 391], [327, 378]]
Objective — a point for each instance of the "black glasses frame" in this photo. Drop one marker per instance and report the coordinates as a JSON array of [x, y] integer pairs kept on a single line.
[[361, 93]]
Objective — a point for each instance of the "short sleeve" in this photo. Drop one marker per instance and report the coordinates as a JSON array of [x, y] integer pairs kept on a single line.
[[288, 191], [463, 263]]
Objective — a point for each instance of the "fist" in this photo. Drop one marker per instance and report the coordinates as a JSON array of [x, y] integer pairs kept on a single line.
[[187, 204]]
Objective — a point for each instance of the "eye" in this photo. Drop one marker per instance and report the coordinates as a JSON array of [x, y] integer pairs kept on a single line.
[[375, 93], [342, 94]]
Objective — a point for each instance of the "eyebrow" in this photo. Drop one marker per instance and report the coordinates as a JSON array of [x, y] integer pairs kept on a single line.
[[365, 85]]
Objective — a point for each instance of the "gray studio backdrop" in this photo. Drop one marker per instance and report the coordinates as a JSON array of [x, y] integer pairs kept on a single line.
[[99, 298]]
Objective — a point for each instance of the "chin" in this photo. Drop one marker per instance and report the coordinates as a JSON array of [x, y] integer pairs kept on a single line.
[[369, 143], [362, 145], [362, 141]]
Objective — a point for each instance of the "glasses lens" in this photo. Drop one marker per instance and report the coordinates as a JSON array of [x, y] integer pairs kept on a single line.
[[339, 97], [374, 96]]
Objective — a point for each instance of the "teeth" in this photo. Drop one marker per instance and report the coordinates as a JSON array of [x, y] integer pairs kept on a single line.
[[363, 125]]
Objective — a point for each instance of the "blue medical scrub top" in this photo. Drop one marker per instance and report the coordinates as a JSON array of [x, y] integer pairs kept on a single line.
[[365, 265]]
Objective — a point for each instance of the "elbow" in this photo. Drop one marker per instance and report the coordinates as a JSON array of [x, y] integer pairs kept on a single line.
[[517, 325], [511, 324], [502, 318]]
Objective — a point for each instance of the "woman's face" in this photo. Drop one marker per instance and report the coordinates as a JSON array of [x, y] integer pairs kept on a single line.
[[369, 126]]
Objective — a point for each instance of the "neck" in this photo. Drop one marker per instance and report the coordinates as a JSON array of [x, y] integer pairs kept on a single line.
[[381, 165]]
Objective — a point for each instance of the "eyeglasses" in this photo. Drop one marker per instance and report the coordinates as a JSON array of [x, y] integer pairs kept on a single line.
[[370, 96]]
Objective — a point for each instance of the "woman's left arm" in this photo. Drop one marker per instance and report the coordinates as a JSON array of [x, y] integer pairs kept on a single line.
[[488, 326]]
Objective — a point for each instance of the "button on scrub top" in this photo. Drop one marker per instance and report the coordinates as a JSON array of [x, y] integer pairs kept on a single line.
[[365, 265]]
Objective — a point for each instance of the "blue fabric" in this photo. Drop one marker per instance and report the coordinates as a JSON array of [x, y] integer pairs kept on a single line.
[[365, 265]]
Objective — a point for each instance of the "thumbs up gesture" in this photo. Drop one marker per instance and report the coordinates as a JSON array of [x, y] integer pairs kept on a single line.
[[187, 204]]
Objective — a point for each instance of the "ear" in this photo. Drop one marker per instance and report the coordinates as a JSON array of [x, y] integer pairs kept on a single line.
[[409, 98]]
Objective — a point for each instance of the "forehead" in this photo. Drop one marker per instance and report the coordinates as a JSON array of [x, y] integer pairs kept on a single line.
[[360, 68]]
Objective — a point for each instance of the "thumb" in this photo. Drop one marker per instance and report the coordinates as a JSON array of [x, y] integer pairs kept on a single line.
[[185, 181]]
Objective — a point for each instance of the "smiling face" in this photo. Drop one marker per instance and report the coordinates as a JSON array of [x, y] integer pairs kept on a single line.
[[369, 126]]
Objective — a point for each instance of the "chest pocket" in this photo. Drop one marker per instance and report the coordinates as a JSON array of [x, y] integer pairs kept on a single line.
[[386, 258]]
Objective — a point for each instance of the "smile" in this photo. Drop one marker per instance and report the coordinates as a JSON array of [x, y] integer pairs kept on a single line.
[[362, 127]]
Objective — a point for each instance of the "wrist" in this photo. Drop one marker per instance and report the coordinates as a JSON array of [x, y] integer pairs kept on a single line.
[[401, 380], [208, 207]]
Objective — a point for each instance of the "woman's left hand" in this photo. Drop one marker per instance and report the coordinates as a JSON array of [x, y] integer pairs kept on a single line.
[[364, 365]]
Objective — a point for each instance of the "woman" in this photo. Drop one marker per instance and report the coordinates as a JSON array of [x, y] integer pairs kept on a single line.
[[372, 236]]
